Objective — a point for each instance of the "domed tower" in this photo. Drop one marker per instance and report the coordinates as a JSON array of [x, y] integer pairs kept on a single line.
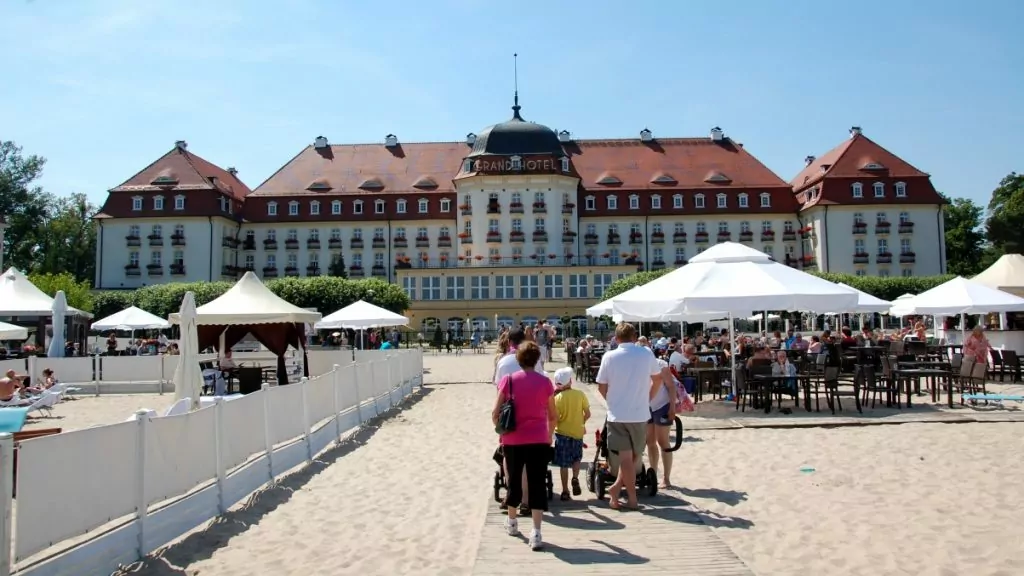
[[517, 194]]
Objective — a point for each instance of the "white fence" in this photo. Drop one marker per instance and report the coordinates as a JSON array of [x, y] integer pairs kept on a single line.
[[156, 479]]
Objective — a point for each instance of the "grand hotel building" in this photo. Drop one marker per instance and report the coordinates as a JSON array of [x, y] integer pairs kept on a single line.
[[518, 222]]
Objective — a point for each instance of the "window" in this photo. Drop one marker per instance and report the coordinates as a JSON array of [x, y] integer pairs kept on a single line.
[[400, 206], [613, 203], [271, 261], [588, 203], [250, 262], [857, 190], [698, 201], [881, 218], [468, 227], [883, 272], [601, 283], [293, 208], [723, 227], [134, 231], [155, 257], [293, 234], [860, 272], [158, 231], [480, 288], [634, 228], [656, 202], [879, 190], [179, 202], [656, 228], [272, 235], [336, 207], [577, 285], [858, 218], [504, 287], [378, 233], [444, 232], [766, 200], [658, 255], [858, 246], [591, 229], [701, 228], [314, 234], [493, 225], [431, 288], [744, 227], [883, 246], [679, 228], [400, 232], [271, 208], [517, 224], [788, 226], [538, 197], [769, 250], [357, 207], [744, 200], [456, 287], [446, 205], [528, 288], [137, 203], [677, 201], [423, 206], [179, 230], [158, 203], [553, 286], [907, 272], [905, 246], [409, 286], [467, 165], [293, 260], [335, 233], [566, 226], [314, 208], [901, 189], [179, 258], [357, 259], [357, 234], [634, 202], [613, 229], [538, 225], [766, 226], [722, 201], [904, 217], [680, 255], [378, 206], [421, 232]]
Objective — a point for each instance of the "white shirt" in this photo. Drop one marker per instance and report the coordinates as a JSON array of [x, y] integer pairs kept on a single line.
[[627, 372], [506, 365], [677, 360], [661, 398]]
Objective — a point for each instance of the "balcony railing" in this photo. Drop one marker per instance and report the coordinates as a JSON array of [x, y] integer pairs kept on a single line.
[[908, 258], [789, 236], [270, 244], [745, 236], [466, 209], [806, 232], [517, 237], [657, 237], [154, 270], [422, 242], [884, 258], [334, 243], [657, 264], [568, 237], [540, 207], [379, 270], [809, 261], [226, 242], [444, 241], [355, 271], [636, 238], [614, 239], [523, 261], [132, 270], [679, 237], [859, 229], [724, 236], [861, 258], [292, 271], [312, 270], [494, 208], [540, 236], [767, 236], [465, 238], [229, 271], [248, 245], [313, 243], [700, 237], [291, 244], [270, 271], [493, 237], [379, 243], [400, 242], [515, 208], [906, 227], [177, 269], [591, 239], [882, 228], [568, 208], [155, 240], [133, 240], [680, 262], [355, 243]]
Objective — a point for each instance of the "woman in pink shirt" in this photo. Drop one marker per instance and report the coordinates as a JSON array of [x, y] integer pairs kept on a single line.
[[977, 346], [529, 445]]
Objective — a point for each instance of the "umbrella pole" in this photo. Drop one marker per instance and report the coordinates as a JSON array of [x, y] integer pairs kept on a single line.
[[732, 356], [963, 329]]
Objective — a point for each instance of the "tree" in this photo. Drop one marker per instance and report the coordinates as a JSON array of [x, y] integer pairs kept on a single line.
[[24, 206], [1005, 225], [964, 237], [68, 244], [337, 267], [78, 293]]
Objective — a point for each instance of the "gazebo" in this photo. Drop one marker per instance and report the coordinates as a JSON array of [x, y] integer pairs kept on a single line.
[[20, 298], [250, 308], [1007, 274]]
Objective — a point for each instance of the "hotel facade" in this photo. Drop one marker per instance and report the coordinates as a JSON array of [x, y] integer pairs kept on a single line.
[[518, 222]]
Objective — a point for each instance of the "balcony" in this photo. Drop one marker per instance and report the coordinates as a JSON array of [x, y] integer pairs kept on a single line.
[[133, 240], [806, 232], [313, 244], [767, 235], [494, 237], [400, 242], [591, 239], [861, 258], [177, 269], [132, 270], [700, 237], [789, 236], [355, 271], [657, 237], [229, 271], [724, 236], [444, 241], [679, 238], [540, 208], [313, 270], [270, 271], [860, 228], [531, 261], [517, 237], [884, 258], [747, 236], [908, 258], [379, 270], [154, 269], [403, 263], [466, 209], [514, 208], [657, 265], [636, 238], [226, 242], [568, 237], [614, 239], [422, 242], [334, 243], [355, 243], [882, 228], [568, 208], [809, 261], [292, 271], [270, 244], [680, 262], [465, 237], [291, 244], [155, 240], [539, 236], [493, 208], [906, 227], [380, 242], [249, 245]]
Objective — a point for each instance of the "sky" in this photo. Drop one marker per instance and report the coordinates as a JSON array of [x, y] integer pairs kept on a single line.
[[101, 88]]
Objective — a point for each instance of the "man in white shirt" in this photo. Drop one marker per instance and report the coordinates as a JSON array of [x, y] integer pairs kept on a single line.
[[507, 364], [625, 381]]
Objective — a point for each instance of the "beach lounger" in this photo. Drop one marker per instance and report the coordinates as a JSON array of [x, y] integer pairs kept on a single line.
[[994, 398], [13, 419], [179, 407], [45, 403]]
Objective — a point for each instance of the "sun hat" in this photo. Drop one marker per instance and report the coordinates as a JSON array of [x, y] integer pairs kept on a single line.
[[563, 376]]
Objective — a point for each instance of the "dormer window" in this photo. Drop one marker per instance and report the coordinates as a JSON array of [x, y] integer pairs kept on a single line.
[[271, 208], [677, 201], [179, 202], [613, 203], [378, 206], [357, 207], [590, 203], [423, 206], [446, 205], [722, 201], [646, 135], [872, 166], [634, 202], [609, 181], [656, 202], [391, 140], [372, 184], [744, 200], [314, 208], [470, 139], [879, 189], [857, 190], [717, 178], [158, 203], [663, 179], [319, 186], [565, 164], [901, 189], [400, 206], [766, 200], [335, 207], [293, 208], [137, 203], [698, 200], [517, 163]]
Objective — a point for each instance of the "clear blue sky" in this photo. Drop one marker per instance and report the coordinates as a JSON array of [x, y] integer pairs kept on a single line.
[[103, 87]]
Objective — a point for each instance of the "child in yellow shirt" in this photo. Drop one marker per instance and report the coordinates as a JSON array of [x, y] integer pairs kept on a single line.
[[573, 413]]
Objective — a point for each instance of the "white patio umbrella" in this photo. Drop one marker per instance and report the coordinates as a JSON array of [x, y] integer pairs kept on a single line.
[[963, 296], [901, 306], [866, 303], [12, 332], [59, 310], [131, 318], [361, 315], [188, 379]]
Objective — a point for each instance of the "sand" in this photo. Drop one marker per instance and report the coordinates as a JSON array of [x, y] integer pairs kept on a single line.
[[85, 411]]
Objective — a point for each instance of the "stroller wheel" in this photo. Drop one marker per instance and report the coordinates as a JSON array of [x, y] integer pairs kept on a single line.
[[600, 488], [498, 485], [652, 482], [591, 472]]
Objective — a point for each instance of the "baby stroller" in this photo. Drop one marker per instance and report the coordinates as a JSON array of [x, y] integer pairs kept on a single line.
[[499, 478], [605, 467]]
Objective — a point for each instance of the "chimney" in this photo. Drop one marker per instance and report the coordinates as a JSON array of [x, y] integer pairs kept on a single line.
[[717, 135], [855, 131], [564, 136], [232, 170], [391, 140], [646, 135], [809, 160], [470, 139], [181, 145], [320, 142]]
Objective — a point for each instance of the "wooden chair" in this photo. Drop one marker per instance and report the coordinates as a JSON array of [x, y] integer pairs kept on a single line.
[[997, 365], [1011, 364]]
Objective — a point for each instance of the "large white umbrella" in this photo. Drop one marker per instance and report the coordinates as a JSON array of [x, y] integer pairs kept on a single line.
[[131, 318], [188, 379], [963, 296], [1006, 274], [12, 332], [361, 315], [866, 303], [59, 310]]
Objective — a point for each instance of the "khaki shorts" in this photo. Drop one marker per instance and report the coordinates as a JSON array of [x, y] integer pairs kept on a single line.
[[631, 436]]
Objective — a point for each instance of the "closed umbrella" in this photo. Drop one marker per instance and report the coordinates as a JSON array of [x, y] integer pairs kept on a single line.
[[59, 310], [188, 379]]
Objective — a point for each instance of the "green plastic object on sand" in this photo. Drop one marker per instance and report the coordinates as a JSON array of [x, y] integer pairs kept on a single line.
[[807, 469]]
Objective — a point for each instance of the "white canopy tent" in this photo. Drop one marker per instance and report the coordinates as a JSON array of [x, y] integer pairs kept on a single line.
[[131, 318], [20, 297], [963, 296], [359, 316], [901, 306], [1007, 274], [12, 332]]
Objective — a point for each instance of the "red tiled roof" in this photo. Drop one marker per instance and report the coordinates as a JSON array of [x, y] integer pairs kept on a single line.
[[848, 160], [183, 170]]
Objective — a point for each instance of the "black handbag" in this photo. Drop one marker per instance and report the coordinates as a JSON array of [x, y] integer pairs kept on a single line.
[[507, 413]]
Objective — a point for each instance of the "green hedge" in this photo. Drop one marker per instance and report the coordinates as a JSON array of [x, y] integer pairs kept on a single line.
[[325, 293], [889, 288]]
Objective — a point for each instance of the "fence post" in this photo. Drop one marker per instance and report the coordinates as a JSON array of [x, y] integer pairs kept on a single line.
[[98, 374], [337, 404], [373, 386], [268, 437], [391, 385], [6, 500], [141, 500], [218, 439], [359, 399], [162, 376], [304, 383]]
